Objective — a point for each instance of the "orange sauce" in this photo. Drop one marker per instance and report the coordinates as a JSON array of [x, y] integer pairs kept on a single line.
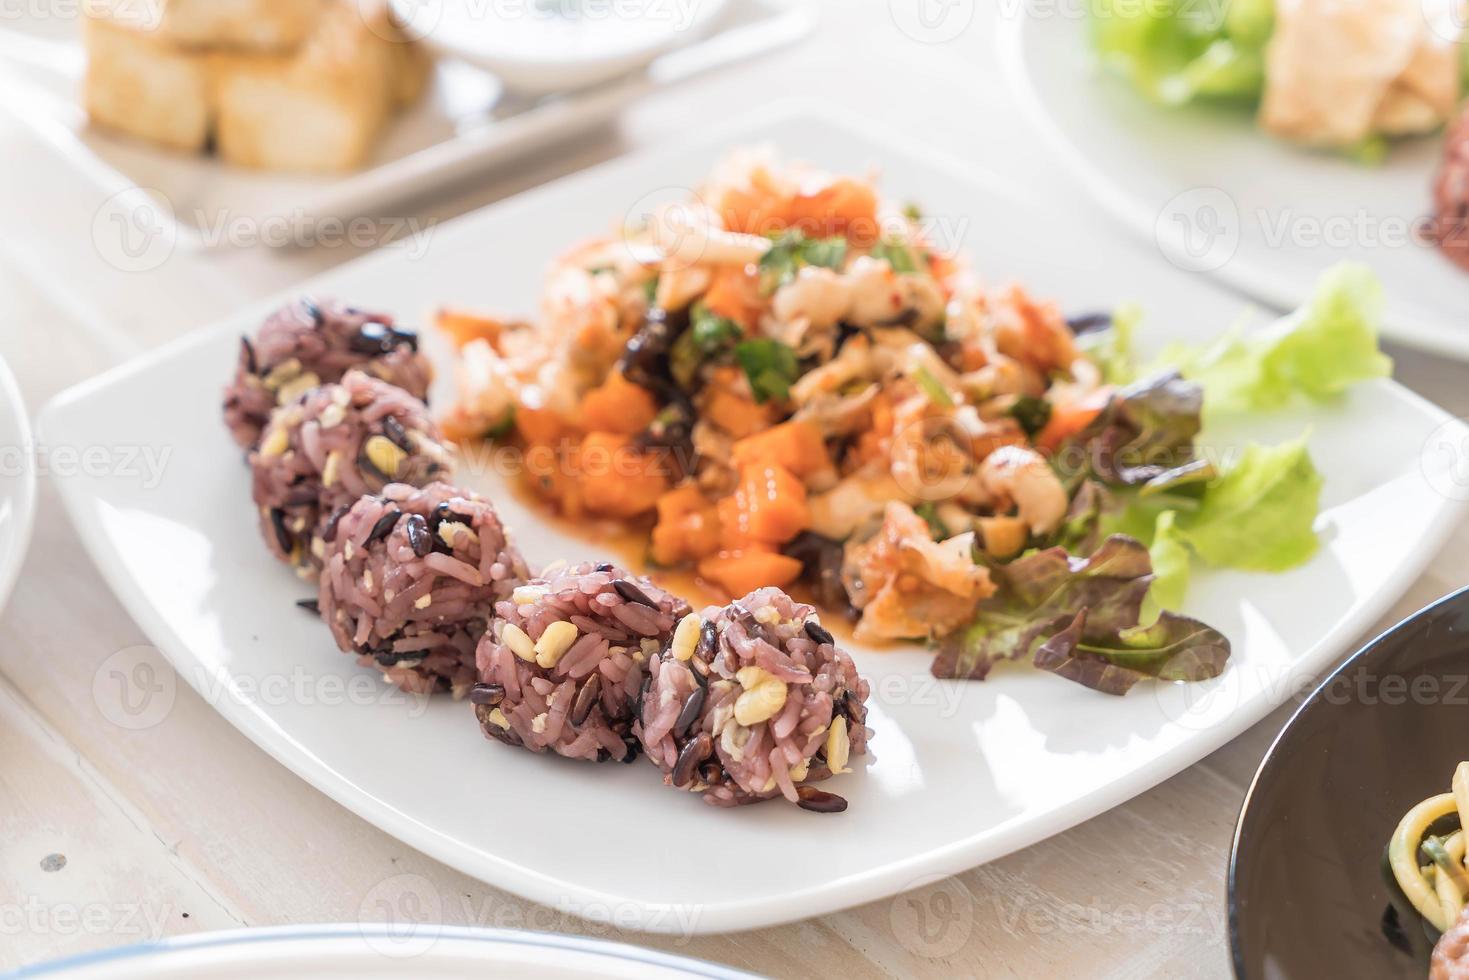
[[628, 546]]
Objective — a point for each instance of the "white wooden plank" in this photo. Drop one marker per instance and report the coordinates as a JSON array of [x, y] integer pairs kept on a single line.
[[80, 868]]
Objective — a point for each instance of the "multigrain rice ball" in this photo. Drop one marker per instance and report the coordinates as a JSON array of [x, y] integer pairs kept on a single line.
[[563, 663], [410, 579], [329, 447], [752, 701], [308, 343]]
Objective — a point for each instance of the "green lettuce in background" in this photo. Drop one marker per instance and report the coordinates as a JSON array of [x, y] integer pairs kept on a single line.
[[1176, 51]]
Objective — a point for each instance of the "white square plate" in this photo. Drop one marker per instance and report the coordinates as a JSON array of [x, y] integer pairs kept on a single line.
[[963, 772], [465, 122], [1227, 199]]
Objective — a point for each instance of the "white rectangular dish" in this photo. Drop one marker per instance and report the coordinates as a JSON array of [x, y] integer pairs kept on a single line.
[[963, 773], [465, 122]]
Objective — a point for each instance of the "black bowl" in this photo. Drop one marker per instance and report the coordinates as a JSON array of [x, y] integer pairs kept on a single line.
[[1308, 897]]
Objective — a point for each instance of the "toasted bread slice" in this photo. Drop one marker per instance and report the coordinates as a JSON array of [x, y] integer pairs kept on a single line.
[[323, 108], [254, 25], [141, 86]]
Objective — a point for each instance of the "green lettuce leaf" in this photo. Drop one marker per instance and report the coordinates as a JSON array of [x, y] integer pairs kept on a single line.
[[1319, 351], [1176, 51], [1171, 560], [1081, 618], [1173, 648], [1260, 515]]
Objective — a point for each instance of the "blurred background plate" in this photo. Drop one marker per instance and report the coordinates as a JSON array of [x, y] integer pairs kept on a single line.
[[427, 952], [1222, 198], [539, 46], [467, 121], [1307, 893]]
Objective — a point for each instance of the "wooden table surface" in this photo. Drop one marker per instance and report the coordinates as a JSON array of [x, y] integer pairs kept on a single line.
[[186, 826]]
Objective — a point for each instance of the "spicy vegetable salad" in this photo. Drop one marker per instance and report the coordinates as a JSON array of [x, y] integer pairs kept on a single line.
[[785, 381]]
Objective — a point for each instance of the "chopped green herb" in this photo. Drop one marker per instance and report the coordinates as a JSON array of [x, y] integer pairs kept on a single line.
[[712, 333], [650, 289], [931, 386], [912, 212], [793, 250], [771, 367], [709, 337], [898, 254], [1031, 412]]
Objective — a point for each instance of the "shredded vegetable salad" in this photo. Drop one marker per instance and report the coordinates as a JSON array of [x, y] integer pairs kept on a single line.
[[785, 381]]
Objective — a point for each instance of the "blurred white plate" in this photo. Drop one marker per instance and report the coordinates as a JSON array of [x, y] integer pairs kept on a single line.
[[429, 952], [1220, 197], [466, 122], [962, 772], [539, 46], [17, 482]]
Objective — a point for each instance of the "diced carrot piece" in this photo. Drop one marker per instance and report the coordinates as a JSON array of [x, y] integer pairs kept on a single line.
[[751, 210], [617, 480], [796, 445], [462, 326], [735, 414], [1069, 419], [734, 521], [539, 426], [618, 406], [688, 527], [740, 573], [774, 503], [843, 206], [735, 295]]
